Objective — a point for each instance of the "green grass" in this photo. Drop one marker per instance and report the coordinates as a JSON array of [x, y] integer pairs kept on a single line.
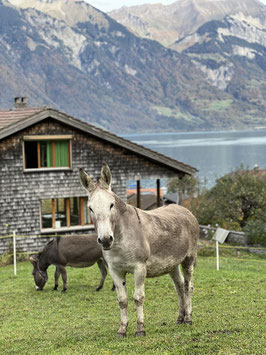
[[221, 105], [168, 112], [228, 313]]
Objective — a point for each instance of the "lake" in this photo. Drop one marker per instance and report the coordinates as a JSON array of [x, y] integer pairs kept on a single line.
[[214, 154]]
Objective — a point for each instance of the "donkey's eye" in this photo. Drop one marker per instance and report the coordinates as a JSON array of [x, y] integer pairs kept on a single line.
[[91, 209], [111, 206]]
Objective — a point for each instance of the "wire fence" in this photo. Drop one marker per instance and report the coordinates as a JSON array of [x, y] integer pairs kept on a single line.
[[16, 246], [12, 250]]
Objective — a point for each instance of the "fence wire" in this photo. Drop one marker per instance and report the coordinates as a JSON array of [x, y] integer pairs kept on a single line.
[[14, 238]]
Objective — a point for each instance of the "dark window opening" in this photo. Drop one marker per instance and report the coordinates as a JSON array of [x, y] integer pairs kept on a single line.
[[31, 155]]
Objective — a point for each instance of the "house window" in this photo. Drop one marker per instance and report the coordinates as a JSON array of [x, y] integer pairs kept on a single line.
[[47, 152], [64, 212]]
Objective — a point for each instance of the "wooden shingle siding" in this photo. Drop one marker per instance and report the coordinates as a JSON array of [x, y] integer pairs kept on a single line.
[[21, 192]]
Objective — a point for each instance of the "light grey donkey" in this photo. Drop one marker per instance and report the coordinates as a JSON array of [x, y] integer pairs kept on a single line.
[[144, 243]]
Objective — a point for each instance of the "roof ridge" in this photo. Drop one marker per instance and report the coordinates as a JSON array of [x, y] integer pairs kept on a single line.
[[121, 138], [27, 108], [37, 114]]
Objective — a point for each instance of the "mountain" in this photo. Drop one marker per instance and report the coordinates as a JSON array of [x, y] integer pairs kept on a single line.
[[72, 12], [232, 55], [168, 23], [73, 57]]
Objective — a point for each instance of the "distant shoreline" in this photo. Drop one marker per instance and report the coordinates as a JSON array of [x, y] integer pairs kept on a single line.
[[254, 129]]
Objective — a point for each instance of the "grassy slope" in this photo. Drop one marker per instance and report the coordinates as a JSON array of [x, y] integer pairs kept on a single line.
[[228, 314]]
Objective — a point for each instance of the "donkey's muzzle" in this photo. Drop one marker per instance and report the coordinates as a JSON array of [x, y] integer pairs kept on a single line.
[[106, 242]]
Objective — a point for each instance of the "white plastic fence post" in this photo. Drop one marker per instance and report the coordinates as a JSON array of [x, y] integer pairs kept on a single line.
[[217, 254], [14, 253]]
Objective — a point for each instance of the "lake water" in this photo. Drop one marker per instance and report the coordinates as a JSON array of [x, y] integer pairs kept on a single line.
[[214, 154]]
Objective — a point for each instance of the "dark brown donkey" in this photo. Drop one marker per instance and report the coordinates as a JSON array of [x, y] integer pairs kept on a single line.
[[73, 250]]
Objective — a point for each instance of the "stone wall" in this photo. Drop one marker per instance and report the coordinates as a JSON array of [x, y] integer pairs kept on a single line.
[[233, 238], [27, 244], [24, 244]]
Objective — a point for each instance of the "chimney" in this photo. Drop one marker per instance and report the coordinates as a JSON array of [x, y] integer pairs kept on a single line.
[[20, 102]]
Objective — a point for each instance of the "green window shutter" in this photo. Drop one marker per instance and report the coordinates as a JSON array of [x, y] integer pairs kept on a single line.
[[49, 154], [61, 153]]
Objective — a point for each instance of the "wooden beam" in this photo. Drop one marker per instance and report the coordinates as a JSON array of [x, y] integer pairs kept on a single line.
[[39, 154], [41, 209], [138, 194], [53, 213], [158, 186], [68, 211], [47, 138], [81, 211]]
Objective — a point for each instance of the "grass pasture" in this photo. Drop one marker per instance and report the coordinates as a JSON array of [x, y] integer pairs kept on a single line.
[[229, 308]]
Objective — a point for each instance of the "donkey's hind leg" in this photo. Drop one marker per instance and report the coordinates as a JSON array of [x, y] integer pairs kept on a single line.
[[64, 277], [188, 268], [178, 279], [56, 277]]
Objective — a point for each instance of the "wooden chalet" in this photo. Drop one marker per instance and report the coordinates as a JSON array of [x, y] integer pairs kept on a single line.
[[41, 151]]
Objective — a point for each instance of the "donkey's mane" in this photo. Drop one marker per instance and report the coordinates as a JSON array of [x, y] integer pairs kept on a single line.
[[46, 247]]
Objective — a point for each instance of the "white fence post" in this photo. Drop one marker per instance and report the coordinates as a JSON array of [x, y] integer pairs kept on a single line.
[[217, 254], [220, 237], [14, 253]]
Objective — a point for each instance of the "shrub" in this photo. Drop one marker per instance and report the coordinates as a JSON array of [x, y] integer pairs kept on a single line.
[[256, 230]]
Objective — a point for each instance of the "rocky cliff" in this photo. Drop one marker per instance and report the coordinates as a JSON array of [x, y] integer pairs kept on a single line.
[[69, 55], [168, 23], [232, 55]]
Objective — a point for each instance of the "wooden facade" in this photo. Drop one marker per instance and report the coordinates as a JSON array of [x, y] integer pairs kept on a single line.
[[23, 190]]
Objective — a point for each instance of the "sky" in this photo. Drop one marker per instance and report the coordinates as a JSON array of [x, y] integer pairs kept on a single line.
[[108, 5]]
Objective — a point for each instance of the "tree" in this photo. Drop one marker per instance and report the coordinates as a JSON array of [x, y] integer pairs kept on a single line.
[[187, 187], [235, 199]]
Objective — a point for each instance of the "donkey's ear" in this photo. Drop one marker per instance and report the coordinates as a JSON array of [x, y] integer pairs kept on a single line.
[[85, 180], [33, 259], [106, 176]]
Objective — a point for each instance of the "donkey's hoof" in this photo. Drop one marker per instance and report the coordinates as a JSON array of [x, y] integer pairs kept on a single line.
[[55, 288], [189, 322], [99, 288], [142, 333], [121, 335], [180, 321], [64, 290]]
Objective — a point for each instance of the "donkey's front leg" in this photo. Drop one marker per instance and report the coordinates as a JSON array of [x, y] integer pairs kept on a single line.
[[119, 279], [140, 273], [102, 267]]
